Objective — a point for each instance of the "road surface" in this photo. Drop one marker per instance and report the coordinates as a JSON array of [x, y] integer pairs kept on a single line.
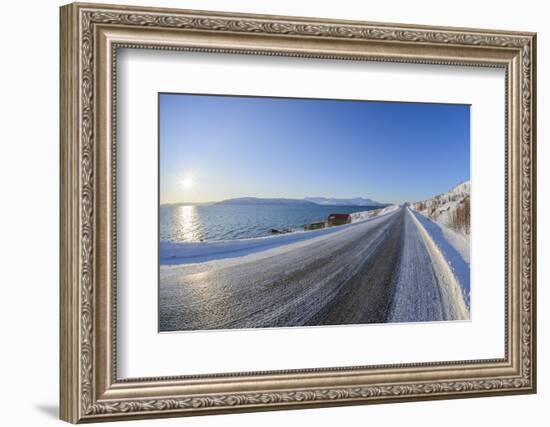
[[376, 271]]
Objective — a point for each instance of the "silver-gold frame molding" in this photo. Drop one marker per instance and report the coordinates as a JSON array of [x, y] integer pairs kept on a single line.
[[90, 37]]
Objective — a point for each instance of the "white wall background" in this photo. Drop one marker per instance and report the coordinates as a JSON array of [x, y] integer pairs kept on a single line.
[[29, 170]]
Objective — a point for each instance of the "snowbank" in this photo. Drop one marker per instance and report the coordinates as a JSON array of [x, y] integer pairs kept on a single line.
[[363, 215], [185, 253], [455, 248]]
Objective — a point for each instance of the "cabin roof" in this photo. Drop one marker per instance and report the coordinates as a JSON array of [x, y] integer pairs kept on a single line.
[[339, 216]]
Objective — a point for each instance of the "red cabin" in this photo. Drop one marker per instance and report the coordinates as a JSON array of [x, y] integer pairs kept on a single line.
[[338, 219]]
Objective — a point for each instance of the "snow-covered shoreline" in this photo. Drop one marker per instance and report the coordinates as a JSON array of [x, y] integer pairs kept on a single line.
[[171, 253]]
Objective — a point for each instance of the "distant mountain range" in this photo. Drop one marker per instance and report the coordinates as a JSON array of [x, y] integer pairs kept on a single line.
[[324, 201], [331, 201], [261, 201]]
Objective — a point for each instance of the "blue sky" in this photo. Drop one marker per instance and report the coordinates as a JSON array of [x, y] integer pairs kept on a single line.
[[218, 147]]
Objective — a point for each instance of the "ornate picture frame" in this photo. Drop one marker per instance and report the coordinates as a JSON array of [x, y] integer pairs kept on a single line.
[[90, 37]]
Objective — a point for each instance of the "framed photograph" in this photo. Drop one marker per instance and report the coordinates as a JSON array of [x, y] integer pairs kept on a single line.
[[266, 212]]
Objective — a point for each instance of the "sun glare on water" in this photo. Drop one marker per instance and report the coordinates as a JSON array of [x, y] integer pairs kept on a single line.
[[189, 227]]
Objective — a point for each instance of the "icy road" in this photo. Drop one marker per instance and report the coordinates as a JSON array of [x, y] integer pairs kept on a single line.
[[385, 269]]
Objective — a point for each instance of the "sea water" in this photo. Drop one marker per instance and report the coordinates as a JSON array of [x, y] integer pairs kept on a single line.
[[214, 222]]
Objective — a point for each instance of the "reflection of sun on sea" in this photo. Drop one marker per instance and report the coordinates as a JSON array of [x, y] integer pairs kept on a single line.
[[189, 227], [188, 223]]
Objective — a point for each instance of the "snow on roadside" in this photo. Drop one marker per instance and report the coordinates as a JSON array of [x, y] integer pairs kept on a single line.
[[459, 242], [451, 288], [455, 248]]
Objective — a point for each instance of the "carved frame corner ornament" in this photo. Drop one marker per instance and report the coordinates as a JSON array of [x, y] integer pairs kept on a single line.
[[90, 36]]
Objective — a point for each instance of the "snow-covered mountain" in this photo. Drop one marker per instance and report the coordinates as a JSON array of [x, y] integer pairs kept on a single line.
[[324, 201], [451, 209], [331, 201], [262, 201]]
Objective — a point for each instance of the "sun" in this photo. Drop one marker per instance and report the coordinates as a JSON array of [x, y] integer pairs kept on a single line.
[[188, 182]]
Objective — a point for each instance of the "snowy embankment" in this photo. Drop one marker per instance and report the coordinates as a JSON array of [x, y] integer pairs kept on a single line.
[[454, 247], [451, 209], [364, 215], [171, 253]]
